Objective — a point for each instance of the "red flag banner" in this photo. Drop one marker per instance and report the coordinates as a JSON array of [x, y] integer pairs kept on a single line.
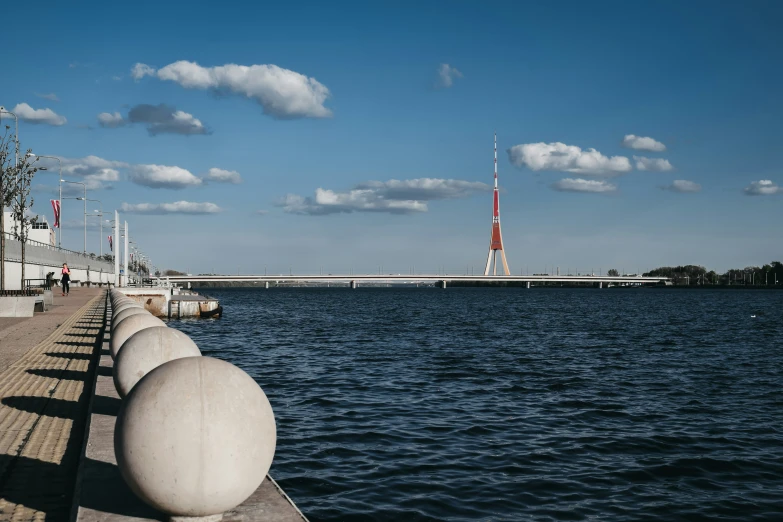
[[111, 246], [56, 208]]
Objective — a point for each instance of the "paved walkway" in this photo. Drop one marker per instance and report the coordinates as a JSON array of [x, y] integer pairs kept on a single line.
[[18, 335], [46, 364]]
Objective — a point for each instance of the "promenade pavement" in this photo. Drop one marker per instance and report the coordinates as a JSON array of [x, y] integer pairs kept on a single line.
[[18, 335], [46, 368]]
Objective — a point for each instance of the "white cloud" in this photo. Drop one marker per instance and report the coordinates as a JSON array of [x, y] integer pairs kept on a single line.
[[97, 173], [424, 188], [446, 75], [159, 119], [106, 119], [140, 70], [583, 185], [116, 78], [35, 116], [331, 202], [639, 143], [282, 93], [223, 176], [181, 123], [165, 119], [51, 96], [394, 196], [162, 176], [653, 164], [262, 212], [762, 187], [177, 207], [567, 158], [683, 185]]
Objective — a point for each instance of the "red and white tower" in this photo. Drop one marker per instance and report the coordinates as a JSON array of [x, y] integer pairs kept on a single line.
[[496, 239]]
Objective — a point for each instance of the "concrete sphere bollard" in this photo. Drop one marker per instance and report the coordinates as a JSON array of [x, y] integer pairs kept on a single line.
[[120, 307], [195, 437], [130, 326], [115, 300], [122, 300], [146, 350], [125, 314], [118, 298]]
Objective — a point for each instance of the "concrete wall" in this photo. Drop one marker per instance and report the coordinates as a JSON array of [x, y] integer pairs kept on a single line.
[[41, 260], [154, 300]]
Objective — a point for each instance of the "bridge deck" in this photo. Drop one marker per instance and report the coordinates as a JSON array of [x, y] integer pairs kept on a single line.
[[418, 278]]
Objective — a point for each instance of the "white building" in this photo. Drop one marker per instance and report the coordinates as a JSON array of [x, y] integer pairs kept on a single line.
[[39, 232]]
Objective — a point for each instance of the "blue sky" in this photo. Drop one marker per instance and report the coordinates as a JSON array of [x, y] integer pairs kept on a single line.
[[348, 97]]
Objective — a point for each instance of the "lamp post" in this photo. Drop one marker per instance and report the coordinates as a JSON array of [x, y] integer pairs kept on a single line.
[[100, 215], [85, 223], [85, 208], [111, 223], [60, 227]]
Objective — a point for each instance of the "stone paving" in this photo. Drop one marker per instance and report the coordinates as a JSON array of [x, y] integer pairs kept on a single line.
[[44, 393], [18, 335]]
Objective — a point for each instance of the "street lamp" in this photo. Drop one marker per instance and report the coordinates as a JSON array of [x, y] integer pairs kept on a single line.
[[85, 224], [85, 208], [60, 234], [100, 215]]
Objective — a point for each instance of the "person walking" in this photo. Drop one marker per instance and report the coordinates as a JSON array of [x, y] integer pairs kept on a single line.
[[66, 279]]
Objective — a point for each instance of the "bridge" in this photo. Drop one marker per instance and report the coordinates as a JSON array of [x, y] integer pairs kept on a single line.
[[443, 280]]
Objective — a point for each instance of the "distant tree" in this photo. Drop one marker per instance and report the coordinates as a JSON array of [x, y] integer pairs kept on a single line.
[[173, 273], [7, 191], [157, 273], [688, 274], [613, 272], [22, 201]]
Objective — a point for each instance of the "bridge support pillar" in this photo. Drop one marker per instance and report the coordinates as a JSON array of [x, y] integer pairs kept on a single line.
[[600, 284], [527, 285], [443, 284], [266, 285], [353, 284]]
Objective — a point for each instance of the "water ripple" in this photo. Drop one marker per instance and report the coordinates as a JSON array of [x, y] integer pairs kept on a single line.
[[506, 405]]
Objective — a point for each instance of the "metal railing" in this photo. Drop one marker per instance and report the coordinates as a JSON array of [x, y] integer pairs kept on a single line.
[[45, 284], [17, 293], [9, 235]]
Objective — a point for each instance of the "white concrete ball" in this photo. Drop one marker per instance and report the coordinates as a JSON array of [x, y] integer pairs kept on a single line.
[[133, 310], [119, 297], [118, 301], [122, 306], [146, 350], [195, 437], [130, 326]]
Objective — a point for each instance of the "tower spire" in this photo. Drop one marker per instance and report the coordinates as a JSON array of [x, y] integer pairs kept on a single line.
[[496, 239], [496, 161]]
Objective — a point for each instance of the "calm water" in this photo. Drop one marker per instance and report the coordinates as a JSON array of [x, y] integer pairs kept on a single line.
[[513, 404]]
